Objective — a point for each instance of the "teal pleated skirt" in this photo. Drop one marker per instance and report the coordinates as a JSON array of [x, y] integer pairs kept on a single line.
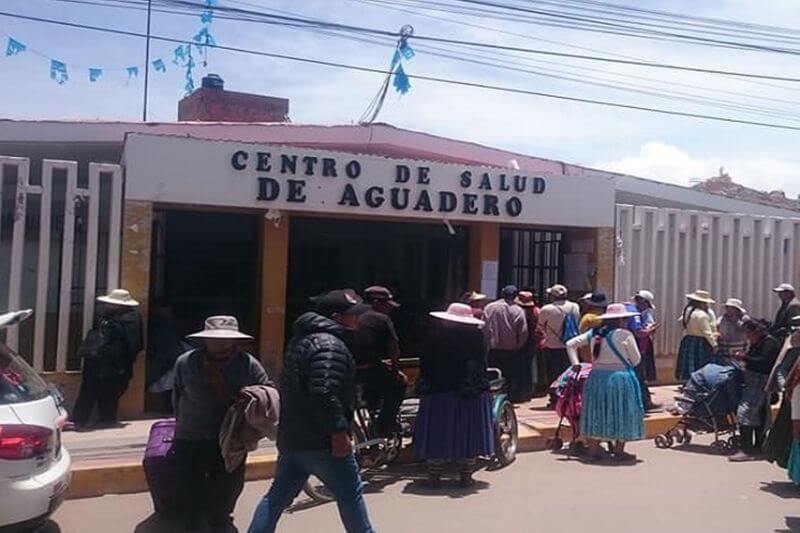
[[612, 406], [794, 463]]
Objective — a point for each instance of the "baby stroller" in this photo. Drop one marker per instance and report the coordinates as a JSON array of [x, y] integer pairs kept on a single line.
[[708, 405], [568, 390]]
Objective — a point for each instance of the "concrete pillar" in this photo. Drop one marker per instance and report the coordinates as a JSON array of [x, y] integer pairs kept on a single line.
[[274, 274], [484, 245], [137, 225], [605, 259]]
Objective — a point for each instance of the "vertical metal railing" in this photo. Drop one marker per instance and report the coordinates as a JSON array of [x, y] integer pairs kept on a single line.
[[74, 197]]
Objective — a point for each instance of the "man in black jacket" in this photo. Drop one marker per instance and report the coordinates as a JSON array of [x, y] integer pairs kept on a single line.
[[790, 308], [317, 403]]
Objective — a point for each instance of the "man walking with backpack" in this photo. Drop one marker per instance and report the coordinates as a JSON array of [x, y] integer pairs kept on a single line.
[[507, 331], [559, 320], [317, 402]]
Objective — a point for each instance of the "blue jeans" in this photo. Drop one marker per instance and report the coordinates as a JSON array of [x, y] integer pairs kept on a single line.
[[340, 476]]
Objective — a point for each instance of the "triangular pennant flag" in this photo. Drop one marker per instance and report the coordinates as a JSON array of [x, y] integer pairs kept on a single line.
[[95, 74], [58, 72], [206, 17], [401, 82], [14, 47], [204, 38], [159, 65], [180, 54], [133, 72]]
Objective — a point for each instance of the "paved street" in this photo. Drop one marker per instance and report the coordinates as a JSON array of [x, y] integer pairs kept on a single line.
[[668, 491]]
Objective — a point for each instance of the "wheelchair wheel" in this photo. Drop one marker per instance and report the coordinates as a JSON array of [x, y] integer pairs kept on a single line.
[[506, 435]]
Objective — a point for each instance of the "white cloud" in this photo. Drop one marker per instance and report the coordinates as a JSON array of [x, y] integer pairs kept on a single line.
[[672, 164]]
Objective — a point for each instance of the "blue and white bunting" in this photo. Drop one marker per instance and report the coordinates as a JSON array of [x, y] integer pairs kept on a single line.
[[159, 65], [14, 47], [406, 50], [401, 82], [207, 17], [58, 72], [95, 74]]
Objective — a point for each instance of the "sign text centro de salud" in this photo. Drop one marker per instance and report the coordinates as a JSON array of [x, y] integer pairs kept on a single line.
[[180, 170]]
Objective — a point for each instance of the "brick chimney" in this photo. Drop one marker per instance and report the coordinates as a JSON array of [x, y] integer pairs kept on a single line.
[[212, 103]]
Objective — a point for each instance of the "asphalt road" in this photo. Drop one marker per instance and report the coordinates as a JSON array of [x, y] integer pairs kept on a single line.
[[683, 490]]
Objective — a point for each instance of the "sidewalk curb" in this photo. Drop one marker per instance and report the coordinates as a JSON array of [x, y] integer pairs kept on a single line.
[[92, 479]]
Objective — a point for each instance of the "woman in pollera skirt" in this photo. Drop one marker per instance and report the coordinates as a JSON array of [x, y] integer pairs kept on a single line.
[[612, 407], [700, 337], [454, 423]]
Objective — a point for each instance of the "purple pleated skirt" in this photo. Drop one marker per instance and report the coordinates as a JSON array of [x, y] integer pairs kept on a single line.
[[449, 427]]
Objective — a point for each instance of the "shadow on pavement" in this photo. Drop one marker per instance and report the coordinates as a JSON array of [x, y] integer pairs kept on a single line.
[[157, 523], [701, 449], [783, 489]]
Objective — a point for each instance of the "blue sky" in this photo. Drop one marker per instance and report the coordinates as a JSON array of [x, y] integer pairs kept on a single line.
[[668, 148]]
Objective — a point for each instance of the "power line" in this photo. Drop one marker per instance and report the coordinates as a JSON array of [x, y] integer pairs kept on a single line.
[[435, 79], [517, 66]]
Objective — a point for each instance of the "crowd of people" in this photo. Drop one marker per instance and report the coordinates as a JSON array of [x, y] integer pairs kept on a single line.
[[347, 343]]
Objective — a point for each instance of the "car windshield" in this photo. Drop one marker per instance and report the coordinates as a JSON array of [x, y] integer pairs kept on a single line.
[[18, 381]]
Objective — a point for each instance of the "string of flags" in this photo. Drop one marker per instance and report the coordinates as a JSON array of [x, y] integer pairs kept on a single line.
[[183, 56], [403, 51]]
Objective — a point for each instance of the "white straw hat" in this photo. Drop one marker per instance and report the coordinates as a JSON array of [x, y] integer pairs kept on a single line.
[[701, 296], [119, 297], [736, 304], [458, 312], [221, 327]]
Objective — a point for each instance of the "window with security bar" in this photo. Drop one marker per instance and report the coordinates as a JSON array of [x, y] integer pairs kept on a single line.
[[531, 259]]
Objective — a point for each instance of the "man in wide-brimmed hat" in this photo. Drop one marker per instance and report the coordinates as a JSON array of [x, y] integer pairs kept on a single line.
[[789, 308], [732, 335], [108, 353], [207, 381]]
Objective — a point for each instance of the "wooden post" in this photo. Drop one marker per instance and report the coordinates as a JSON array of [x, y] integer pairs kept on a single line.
[[274, 273]]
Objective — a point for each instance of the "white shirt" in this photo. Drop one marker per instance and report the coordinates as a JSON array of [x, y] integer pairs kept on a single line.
[[551, 319], [607, 360]]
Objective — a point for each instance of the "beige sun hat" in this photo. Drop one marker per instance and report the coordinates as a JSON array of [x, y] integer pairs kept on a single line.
[[119, 297], [221, 327], [701, 296], [736, 304]]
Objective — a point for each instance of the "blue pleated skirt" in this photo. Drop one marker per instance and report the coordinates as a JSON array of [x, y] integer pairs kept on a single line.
[[794, 463], [612, 406], [449, 427], [694, 353]]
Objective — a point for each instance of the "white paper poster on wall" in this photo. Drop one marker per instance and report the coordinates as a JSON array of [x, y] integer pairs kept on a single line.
[[576, 272], [489, 274]]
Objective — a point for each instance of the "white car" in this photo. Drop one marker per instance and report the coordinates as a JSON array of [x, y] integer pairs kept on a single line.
[[34, 467]]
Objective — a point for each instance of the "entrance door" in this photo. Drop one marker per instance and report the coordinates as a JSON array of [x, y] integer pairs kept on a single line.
[[423, 264]]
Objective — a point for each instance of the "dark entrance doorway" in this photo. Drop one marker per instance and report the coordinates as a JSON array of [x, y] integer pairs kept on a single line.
[[206, 264], [202, 264], [423, 264]]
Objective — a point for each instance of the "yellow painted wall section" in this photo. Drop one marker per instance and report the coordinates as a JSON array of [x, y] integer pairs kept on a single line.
[[274, 273], [137, 224]]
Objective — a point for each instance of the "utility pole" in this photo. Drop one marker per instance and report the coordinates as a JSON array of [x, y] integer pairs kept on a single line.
[[147, 60]]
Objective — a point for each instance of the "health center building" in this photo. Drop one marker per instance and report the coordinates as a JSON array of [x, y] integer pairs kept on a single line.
[[235, 210]]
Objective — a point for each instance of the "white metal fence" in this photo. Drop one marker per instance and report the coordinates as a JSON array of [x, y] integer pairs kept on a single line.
[[60, 244], [673, 252]]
